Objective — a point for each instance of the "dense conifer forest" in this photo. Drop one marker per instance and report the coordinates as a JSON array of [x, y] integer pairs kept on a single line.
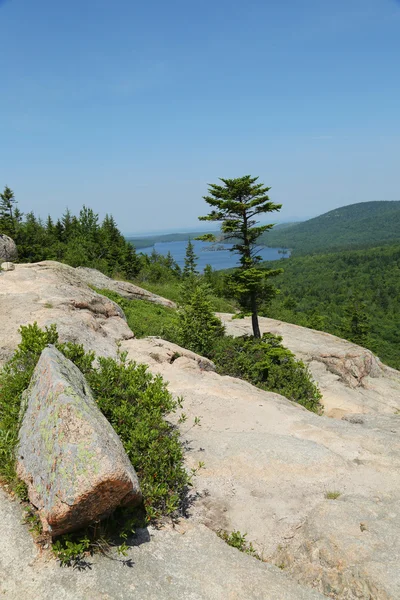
[[352, 294]]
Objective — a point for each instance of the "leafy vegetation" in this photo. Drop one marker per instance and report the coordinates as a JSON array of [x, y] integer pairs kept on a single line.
[[353, 294], [198, 328], [268, 365], [362, 225], [238, 540], [77, 241], [190, 261], [135, 403], [263, 362], [237, 204]]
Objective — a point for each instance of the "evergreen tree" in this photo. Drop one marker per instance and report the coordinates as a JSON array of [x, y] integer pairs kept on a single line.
[[169, 260], [190, 261], [356, 323], [198, 327], [69, 225], [237, 204], [208, 274], [7, 212]]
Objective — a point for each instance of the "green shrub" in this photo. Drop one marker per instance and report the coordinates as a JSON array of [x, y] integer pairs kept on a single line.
[[264, 363], [14, 379], [268, 365], [135, 403], [193, 326], [198, 327]]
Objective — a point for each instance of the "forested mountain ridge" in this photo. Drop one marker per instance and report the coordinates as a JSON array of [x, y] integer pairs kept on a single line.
[[151, 240], [353, 294], [361, 225]]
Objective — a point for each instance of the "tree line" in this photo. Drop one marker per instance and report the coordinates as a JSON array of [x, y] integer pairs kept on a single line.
[[85, 241], [78, 240], [353, 294]]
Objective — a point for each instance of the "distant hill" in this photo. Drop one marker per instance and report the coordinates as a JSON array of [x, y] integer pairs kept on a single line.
[[362, 225], [147, 241]]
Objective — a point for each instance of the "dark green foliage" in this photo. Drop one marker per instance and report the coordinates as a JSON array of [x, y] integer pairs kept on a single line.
[[237, 204], [8, 220], [356, 326], [267, 364], [156, 268], [190, 261], [14, 379], [317, 292], [198, 327], [362, 225], [77, 241], [135, 403]]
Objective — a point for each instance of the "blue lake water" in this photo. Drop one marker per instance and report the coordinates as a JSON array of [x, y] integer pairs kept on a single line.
[[218, 259]]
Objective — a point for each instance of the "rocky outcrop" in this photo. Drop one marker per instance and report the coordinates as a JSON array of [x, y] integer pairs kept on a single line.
[[269, 466], [351, 378], [50, 292], [8, 249], [7, 266], [69, 456], [186, 562], [348, 548], [123, 288]]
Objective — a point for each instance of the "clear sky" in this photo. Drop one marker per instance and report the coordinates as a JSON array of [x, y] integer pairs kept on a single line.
[[132, 107]]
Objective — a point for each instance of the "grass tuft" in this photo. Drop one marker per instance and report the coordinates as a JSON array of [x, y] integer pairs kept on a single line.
[[333, 495]]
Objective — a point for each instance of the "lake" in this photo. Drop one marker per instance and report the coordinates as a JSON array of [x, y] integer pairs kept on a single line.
[[218, 259]]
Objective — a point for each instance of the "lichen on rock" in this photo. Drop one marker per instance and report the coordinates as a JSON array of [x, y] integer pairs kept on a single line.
[[69, 456]]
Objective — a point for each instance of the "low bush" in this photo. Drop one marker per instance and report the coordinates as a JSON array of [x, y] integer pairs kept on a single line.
[[264, 363], [14, 379], [134, 402], [268, 365]]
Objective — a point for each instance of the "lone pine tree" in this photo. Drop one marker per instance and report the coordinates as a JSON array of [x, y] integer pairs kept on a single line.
[[237, 204]]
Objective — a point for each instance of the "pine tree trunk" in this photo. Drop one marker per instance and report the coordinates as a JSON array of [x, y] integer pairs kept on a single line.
[[254, 318]]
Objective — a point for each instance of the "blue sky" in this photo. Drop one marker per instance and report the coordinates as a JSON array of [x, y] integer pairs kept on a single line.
[[132, 107]]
